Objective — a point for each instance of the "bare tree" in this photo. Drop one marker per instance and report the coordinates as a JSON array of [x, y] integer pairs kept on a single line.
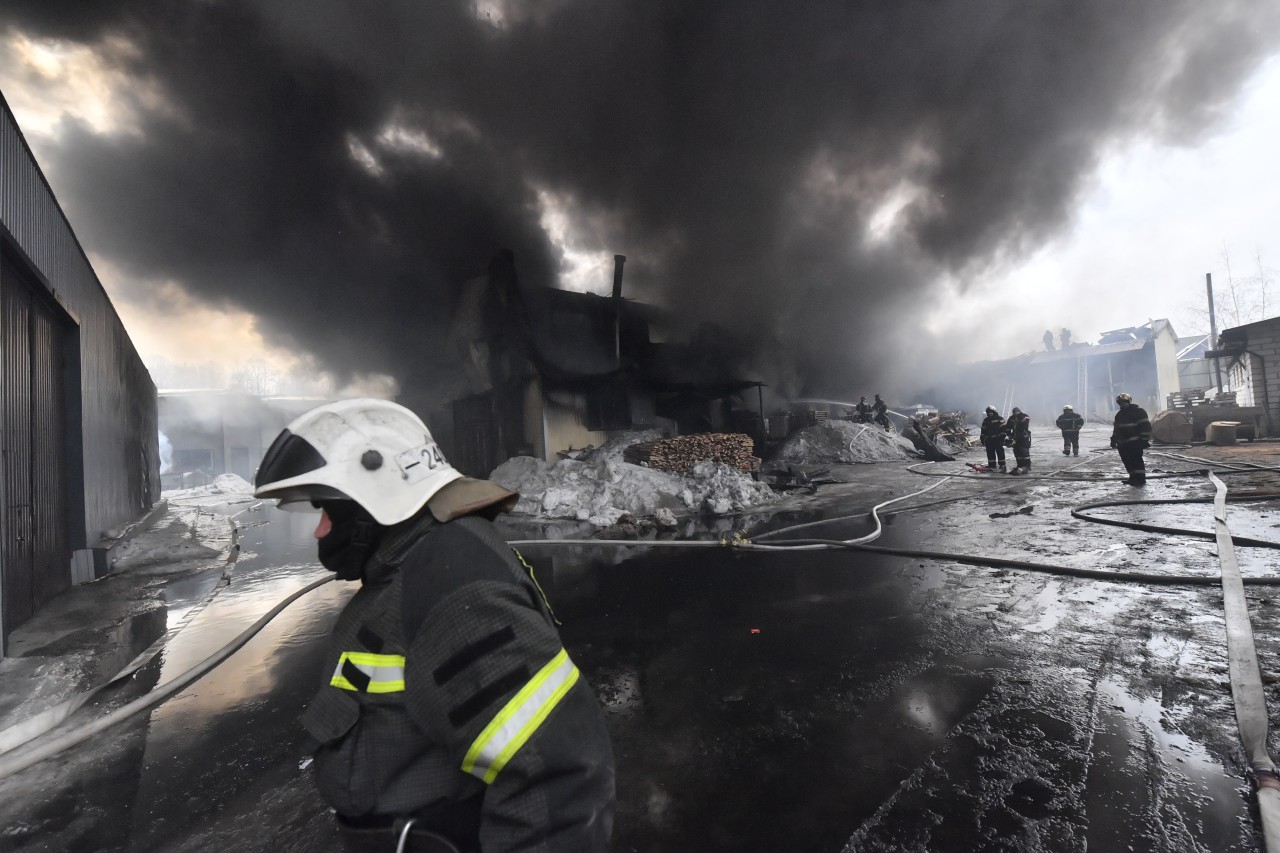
[[170, 374], [1236, 300], [255, 379], [1263, 281]]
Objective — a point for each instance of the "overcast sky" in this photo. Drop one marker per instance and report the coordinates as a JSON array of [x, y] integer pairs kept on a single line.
[[858, 188]]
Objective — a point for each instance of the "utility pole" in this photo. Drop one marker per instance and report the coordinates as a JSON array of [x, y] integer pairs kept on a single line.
[[1213, 330]]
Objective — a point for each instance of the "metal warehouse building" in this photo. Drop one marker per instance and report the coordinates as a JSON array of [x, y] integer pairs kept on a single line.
[[78, 441]]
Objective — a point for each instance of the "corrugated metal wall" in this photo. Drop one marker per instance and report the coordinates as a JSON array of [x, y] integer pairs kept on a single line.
[[112, 426], [15, 454]]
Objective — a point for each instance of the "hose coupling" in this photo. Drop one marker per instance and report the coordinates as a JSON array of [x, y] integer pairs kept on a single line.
[[1266, 779]]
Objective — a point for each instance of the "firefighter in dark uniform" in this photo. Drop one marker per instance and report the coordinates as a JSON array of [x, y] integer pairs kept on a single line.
[[450, 717], [882, 414], [993, 436], [1132, 435], [864, 411], [1070, 423], [1019, 426]]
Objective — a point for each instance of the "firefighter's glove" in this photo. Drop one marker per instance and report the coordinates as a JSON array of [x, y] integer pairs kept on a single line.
[[1144, 444], [1008, 442], [1113, 444]]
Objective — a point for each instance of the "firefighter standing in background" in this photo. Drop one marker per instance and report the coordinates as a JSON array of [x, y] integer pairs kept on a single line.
[[1020, 433], [1131, 436], [1070, 423], [882, 414], [450, 717], [864, 411], [993, 437]]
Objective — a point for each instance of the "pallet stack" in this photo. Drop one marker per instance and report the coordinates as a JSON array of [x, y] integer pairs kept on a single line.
[[681, 453], [1186, 399]]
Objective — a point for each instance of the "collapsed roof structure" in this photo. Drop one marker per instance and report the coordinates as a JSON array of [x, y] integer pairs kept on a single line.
[[1140, 360], [542, 370]]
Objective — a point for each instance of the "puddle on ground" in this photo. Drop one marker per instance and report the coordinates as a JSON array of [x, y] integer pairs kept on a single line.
[[1051, 608], [1141, 768]]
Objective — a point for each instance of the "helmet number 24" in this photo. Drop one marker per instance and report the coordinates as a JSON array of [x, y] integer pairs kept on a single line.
[[417, 463]]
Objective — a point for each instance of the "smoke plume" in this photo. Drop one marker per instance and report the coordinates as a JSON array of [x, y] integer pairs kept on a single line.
[[805, 174]]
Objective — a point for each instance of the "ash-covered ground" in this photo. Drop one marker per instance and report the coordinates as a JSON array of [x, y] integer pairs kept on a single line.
[[795, 701]]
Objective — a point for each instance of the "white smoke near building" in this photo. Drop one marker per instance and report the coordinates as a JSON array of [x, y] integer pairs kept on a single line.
[[166, 454]]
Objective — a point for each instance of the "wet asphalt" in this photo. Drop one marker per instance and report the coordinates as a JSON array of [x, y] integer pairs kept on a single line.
[[828, 701]]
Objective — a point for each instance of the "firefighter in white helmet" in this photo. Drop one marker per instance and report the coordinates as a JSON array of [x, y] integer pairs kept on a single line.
[[449, 712], [1070, 423]]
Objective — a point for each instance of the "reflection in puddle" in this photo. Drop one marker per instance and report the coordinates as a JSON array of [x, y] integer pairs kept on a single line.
[[1048, 602], [1141, 767], [182, 595]]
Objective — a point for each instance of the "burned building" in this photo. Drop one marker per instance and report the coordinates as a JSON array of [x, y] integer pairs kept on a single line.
[[1140, 360], [542, 370], [1195, 372], [77, 405]]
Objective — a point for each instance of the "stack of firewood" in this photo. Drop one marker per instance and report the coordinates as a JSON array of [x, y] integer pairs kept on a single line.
[[681, 453]]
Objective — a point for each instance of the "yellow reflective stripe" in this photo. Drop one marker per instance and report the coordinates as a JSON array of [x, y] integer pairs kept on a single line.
[[520, 718], [386, 672]]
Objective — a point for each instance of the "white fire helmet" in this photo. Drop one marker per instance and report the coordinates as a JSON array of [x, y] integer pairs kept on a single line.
[[1123, 398], [1067, 408], [374, 452]]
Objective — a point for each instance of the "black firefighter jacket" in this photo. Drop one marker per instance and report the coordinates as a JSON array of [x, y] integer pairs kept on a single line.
[[447, 692], [1131, 425], [994, 430], [1070, 422], [1019, 427]]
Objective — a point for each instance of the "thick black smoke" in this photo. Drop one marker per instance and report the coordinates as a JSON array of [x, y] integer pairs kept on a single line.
[[735, 152]]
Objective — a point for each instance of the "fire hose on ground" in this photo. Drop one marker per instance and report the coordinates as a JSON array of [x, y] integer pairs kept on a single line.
[[1246, 681]]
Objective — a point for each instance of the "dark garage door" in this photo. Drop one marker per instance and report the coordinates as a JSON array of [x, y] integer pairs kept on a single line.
[[34, 544]]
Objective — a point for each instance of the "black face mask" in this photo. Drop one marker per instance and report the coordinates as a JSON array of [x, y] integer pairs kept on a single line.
[[352, 540]]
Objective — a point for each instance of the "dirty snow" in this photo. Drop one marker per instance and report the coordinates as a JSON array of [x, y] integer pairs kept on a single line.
[[845, 441], [600, 487], [186, 532], [225, 489]]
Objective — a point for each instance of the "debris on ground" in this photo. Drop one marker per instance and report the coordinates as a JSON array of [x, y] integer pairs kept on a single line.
[[627, 527], [789, 478], [948, 430], [914, 431], [1025, 510], [600, 486], [844, 441], [680, 453]]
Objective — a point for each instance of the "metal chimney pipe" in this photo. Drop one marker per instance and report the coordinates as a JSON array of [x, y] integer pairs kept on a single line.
[[1213, 330], [618, 261]]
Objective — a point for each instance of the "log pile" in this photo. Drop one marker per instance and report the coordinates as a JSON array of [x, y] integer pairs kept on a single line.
[[680, 453]]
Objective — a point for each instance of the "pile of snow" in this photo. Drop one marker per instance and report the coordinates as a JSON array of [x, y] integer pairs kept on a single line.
[[146, 551], [845, 441], [601, 487], [223, 487], [611, 450]]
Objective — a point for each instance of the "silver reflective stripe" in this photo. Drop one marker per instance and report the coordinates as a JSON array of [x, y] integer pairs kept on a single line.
[[520, 718]]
